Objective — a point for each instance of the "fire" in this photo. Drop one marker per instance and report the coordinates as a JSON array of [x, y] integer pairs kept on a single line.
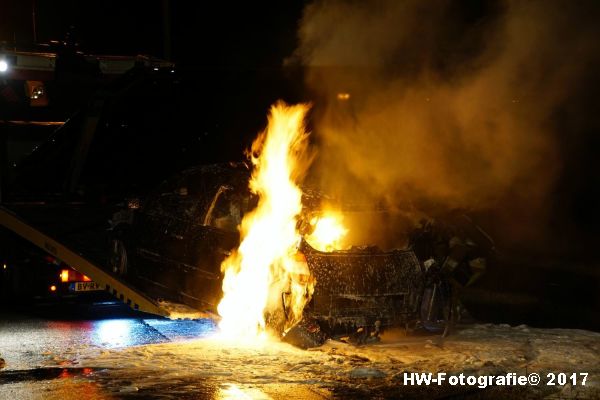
[[266, 267], [328, 232]]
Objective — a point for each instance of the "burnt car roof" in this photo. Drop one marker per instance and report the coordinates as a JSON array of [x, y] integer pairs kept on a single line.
[[205, 180], [211, 177]]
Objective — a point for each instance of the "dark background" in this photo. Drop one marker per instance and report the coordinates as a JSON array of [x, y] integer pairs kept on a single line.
[[226, 33]]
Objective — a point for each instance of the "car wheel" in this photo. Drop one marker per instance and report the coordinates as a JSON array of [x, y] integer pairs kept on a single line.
[[118, 257]]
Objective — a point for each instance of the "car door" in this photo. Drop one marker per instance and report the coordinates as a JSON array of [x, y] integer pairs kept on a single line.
[[162, 226], [212, 238]]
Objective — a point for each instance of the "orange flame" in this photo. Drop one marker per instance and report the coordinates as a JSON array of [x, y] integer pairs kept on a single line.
[[265, 268], [328, 232]]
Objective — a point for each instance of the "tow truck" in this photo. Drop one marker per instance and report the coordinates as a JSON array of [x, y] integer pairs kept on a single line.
[[51, 236], [91, 274]]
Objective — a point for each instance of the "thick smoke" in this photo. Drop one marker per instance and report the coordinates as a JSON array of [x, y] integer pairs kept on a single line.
[[452, 104]]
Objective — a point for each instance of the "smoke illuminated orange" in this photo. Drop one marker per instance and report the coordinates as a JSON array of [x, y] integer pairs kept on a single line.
[[266, 264]]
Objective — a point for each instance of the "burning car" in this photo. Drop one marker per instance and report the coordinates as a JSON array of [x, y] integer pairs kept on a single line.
[[247, 242], [174, 242]]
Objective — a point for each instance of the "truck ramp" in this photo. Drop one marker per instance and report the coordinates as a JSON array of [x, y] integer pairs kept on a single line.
[[87, 264]]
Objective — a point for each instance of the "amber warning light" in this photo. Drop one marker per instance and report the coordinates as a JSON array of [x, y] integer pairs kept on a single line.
[[72, 276], [64, 275]]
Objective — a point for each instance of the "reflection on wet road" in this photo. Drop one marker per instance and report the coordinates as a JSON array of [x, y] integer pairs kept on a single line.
[[43, 351], [29, 342], [130, 332], [41, 347]]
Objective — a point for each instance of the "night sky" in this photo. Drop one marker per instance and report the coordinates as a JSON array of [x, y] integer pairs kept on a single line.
[[207, 33]]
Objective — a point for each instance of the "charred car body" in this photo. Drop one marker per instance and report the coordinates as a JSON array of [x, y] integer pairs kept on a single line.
[[172, 245]]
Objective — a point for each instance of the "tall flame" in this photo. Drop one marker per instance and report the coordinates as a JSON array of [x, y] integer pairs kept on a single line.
[[266, 267]]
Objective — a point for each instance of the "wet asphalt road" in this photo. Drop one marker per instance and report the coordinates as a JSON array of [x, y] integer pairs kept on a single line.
[[17, 332], [41, 343], [34, 338], [98, 352]]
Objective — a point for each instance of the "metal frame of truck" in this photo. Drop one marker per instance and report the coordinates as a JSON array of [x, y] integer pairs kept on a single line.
[[120, 290]]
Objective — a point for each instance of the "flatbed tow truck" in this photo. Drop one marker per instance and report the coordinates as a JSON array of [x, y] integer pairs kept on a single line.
[[118, 288], [72, 232]]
